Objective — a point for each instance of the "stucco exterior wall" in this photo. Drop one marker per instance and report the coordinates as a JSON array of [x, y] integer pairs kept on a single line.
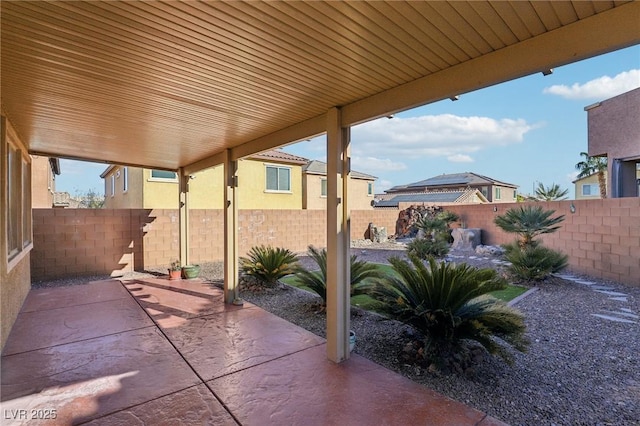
[[119, 198], [589, 180], [15, 275], [613, 128], [206, 189], [159, 193], [42, 182], [507, 194], [359, 199], [252, 193]]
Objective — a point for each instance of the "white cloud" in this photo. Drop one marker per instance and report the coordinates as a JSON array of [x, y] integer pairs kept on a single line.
[[374, 165], [460, 158], [601, 88], [443, 135]]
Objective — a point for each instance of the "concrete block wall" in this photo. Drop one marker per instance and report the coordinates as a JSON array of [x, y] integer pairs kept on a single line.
[[70, 242], [602, 237]]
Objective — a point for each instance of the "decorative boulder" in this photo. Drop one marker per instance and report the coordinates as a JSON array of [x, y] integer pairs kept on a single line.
[[466, 239], [490, 250], [379, 234]]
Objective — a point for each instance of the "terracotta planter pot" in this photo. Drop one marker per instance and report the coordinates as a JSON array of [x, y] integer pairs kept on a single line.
[[175, 275]]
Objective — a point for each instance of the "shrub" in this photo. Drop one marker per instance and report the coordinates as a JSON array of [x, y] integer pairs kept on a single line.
[[317, 280], [448, 303], [534, 262], [424, 248], [268, 264]]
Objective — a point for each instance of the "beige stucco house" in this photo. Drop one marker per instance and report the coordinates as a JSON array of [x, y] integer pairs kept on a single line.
[[314, 187], [43, 181], [493, 191], [270, 180], [587, 188]]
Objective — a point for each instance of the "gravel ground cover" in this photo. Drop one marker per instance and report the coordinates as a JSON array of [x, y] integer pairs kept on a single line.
[[582, 367]]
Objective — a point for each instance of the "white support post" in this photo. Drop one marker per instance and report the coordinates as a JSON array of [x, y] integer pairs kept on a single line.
[[230, 230], [338, 238], [183, 217]]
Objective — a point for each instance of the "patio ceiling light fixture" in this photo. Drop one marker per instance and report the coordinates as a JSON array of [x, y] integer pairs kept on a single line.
[[547, 72]]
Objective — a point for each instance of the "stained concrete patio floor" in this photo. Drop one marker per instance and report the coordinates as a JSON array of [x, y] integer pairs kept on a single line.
[[163, 352]]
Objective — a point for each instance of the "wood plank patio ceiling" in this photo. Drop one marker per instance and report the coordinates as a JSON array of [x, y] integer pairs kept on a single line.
[[167, 84]]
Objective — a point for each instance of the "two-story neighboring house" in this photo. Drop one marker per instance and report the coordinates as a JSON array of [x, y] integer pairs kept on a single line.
[[314, 187], [43, 181], [270, 180], [614, 133], [492, 190]]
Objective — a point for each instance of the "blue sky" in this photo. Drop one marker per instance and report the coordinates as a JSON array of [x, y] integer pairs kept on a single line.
[[524, 131]]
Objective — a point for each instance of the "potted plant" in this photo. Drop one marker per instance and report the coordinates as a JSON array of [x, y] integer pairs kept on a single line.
[[175, 270], [190, 271]]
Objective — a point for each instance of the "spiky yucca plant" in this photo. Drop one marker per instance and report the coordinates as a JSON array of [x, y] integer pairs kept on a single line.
[[528, 222], [268, 264], [449, 303], [317, 280], [534, 262]]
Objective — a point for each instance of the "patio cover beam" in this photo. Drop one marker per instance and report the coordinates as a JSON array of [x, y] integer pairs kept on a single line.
[[338, 244]]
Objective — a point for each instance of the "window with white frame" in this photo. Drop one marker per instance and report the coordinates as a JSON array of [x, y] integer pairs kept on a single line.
[[125, 179], [590, 189], [323, 187], [369, 188], [515, 193], [163, 176], [278, 178], [498, 193], [18, 213]]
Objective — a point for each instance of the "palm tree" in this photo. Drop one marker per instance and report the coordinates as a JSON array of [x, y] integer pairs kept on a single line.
[[550, 193], [528, 222], [592, 165]]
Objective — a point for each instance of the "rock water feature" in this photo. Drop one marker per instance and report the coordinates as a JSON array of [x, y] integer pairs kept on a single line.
[[408, 217]]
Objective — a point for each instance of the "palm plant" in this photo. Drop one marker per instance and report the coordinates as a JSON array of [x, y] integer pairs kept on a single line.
[[534, 263], [551, 193], [528, 222], [449, 303], [268, 264], [317, 280], [593, 165], [424, 248]]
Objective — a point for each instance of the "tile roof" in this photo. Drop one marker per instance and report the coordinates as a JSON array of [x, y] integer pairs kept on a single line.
[[317, 167], [279, 155]]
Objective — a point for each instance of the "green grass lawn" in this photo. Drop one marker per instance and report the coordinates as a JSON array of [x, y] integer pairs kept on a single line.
[[366, 302]]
